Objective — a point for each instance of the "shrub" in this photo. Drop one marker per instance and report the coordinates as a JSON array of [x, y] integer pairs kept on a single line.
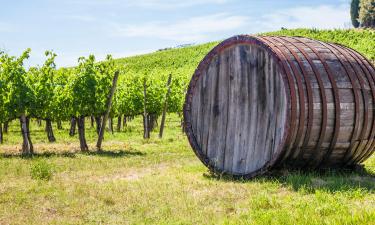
[[41, 170]]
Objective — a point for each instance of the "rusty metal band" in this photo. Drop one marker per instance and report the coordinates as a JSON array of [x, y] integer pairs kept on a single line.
[[370, 77], [310, 100], [351, 59], [350, 72], [371, 69], [337, 106], [289, 142], [301, 94], [318, 77], [242, 39]]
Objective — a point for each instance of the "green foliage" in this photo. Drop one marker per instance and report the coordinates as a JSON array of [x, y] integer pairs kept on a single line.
[[41, 170], [42, 87], [104, 76], [367, 13], [83, 87], [354, 12], [155, 69], [16, 94], [62, 97], [88, 86]]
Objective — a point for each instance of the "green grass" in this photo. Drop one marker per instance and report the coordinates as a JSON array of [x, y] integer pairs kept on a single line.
[[162, 182], [183, 61]]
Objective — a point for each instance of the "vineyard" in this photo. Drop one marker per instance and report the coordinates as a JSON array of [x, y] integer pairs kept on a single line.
[[73, 94], [54, 116]]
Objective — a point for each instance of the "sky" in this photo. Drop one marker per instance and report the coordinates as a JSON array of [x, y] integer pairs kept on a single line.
[[74, 28]]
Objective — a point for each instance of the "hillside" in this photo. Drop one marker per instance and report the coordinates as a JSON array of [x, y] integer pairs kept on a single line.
[[186, 59]]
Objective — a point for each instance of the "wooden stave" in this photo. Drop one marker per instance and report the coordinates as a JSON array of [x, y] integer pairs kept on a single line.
[[188, 101]]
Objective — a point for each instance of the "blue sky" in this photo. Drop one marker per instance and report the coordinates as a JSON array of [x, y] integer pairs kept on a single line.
[[74, 28]]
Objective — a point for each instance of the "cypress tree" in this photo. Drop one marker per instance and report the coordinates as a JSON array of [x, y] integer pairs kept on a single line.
[[354, 12]]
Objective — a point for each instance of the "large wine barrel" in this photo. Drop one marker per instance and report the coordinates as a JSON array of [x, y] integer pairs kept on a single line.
[[260, 102]]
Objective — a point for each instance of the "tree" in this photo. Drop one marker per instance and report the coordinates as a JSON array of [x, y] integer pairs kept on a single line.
[[82, 88], [2, 101], [105, 71], [354, 12], [18, 94], [41, 82], [367, 13]]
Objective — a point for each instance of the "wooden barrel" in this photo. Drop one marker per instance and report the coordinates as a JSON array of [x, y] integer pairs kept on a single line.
[[259, 102]]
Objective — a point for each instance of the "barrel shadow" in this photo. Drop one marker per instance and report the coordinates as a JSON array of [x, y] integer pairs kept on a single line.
[[310, 181]]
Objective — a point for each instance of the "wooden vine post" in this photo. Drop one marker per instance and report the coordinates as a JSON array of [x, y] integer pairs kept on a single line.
[[5, 127], [119, 123], [72, 130], [146, 130], [1, 133], [109, 104], [165, 106]]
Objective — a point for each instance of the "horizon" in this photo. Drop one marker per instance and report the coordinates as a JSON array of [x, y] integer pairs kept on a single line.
[[77, 28]]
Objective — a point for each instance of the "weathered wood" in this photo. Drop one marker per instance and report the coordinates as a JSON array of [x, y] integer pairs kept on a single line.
[[146, 129], [165, 106], [59, 125], [108, 110], [1, 134], [73, 124], [260, 102], [230, 100], [119, 121]]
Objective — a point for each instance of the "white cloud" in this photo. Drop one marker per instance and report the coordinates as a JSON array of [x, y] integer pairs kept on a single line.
[[194, 29], [323, 17], [153, 4], [172, 4]]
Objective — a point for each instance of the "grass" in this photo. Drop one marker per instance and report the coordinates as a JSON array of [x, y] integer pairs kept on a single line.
[[136, 181]]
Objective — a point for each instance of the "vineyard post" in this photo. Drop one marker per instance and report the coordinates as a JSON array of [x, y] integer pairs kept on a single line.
[[162, 123], [119, 123], [146, 132], [124, 122], [110, 124], [59, 125], [1, 133], [109, 104], [6, 126], [92, 121], [72, 130]]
